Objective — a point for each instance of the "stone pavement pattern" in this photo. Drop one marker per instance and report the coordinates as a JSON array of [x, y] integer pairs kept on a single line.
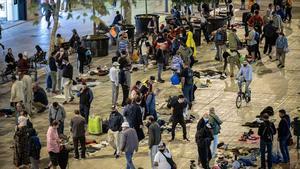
[[277, 88]]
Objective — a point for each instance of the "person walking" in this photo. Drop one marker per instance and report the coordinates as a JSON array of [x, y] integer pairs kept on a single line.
[[125, 75], [284, 135], [162, 157], [266, 131], [57, 113], [114, 78], [16, 91], [187, 82], [40, 99], [154, 138], [203, 140], [53, 72], [85, 101], [68, 81], [177, 117], [220, 40], [114, 133], [129, 144], [289, 6], [78, 127], [60, 56], [281, 49], [53, 143], [27, 84], [215, 123], [251, 42], [270, 35], [81, 51]]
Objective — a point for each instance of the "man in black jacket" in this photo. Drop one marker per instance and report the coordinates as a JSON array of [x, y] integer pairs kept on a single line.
[[53, 72], [154, 138], [86, 98], [114, 133], [266, 131], [81, 58], [284, 135], [40, 100], [67, 80], [269, 32], [177, 116]]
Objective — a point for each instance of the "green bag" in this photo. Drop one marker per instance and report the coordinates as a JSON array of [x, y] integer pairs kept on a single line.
[[95, 125], [242, 59]]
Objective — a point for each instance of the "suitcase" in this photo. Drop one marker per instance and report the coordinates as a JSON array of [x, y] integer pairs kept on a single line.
[[95, 125]]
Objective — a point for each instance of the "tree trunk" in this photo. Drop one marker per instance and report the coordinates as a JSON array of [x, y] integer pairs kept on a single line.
[[127, 11], [55, 26]]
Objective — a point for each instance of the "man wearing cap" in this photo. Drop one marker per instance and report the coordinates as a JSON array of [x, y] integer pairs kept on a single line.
[[245, 75], [114, 78], [86, 98], [68, 81], [129, 144]]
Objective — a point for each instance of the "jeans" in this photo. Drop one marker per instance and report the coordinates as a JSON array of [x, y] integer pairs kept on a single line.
[[220, 50], [284, 149], [153, 151], [129, 164], [59, 79], [115, 93], [49, 81], [81, 140], [125, 90], [213, 147], [85, 112], [188, 92], [54, 80], [160, 69], [114, 139], [280, 55], [181, 121], [263, 146], [68, 83]]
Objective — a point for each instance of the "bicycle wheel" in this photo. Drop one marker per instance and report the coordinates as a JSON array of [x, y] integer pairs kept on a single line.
[[238, 101]]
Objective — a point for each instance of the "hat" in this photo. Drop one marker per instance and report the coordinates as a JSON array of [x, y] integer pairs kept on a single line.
[[125, 124], [116, 64]]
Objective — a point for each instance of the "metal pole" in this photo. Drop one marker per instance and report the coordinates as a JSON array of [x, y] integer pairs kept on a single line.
[[166, 6], [146, 6]]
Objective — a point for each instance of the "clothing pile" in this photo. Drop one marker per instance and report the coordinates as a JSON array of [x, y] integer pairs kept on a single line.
[[93, 147], [255, 124], [211, 74], [100, 71], [250, 137]]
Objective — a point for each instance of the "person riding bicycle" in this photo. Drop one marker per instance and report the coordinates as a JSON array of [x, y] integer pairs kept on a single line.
[[245, 75]]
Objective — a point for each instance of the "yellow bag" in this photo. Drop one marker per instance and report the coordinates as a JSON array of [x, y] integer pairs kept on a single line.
[[135, 56]]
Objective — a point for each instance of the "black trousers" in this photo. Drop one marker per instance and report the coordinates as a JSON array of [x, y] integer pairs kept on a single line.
[[80, 140], [257, 52], [125, 90], [81, 66], [268, 45], [289, 13], [204, 155], [182, 123]]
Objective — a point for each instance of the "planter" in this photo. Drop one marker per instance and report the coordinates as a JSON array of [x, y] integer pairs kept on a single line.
[[216, 22], [142, 20], [97, 43]]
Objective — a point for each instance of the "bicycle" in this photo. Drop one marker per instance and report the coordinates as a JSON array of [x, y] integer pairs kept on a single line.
[[243, 96]]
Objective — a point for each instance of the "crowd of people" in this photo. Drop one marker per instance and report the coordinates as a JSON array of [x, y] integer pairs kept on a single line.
[[171, 46]]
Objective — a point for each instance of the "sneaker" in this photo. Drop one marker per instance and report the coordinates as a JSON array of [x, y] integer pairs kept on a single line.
[[65, 102], [186, 139], [279, 65], [117, 156]]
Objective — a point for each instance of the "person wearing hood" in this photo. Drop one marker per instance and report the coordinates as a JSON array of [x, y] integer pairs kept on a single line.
[[284, 134], [203, 140], [215, 122]]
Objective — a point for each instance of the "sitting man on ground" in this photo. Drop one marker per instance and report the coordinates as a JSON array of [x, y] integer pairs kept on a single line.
[[40, 100]]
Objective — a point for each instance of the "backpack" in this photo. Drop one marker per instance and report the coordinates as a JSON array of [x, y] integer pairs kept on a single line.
[[268, 132], [219, 37]]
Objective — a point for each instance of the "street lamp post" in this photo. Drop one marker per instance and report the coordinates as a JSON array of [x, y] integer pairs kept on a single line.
[[146, 6], [166, 6]]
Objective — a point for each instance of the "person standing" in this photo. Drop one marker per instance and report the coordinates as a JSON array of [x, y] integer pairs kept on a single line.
[[34, 149], [160, 59], [251, 42], [270, 35], [68, 81], [53, 143], [220, 40], [78, 128], [27, 84], [203, 139], [60, 56], [129, 144], [10, 60], [154, 138], [85, 101], [277, 21], [53, 72], [281, 49], [81, 58], [187, 82], [266, 131], [114, 133], [57, 113], [215, 123], [125, 76], [284, 135], [16, 91], [160, 159], [177, 117], [289, 6], [40, 100], [114, 78]]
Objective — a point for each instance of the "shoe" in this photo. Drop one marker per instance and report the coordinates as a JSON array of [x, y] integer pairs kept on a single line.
[[117, 156], [72, 98], [282, 66], [186, 139], [83, 157], [161, 81], [65, 102], [279, 65], [115, 153]]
